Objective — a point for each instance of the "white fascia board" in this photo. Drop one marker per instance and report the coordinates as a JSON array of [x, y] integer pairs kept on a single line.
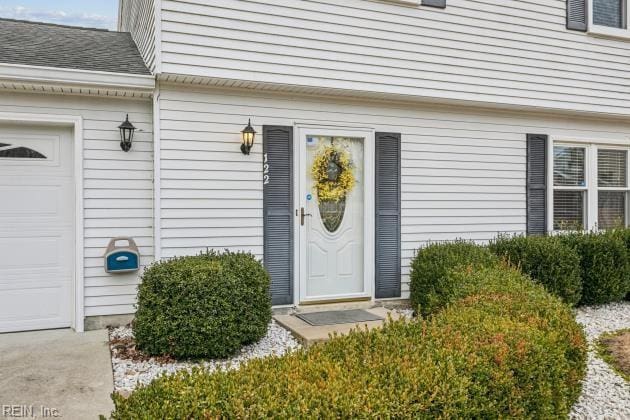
[[176, 80], [75, 77]]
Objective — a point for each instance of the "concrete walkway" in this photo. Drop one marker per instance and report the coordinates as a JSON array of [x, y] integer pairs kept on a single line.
[[55, 370]]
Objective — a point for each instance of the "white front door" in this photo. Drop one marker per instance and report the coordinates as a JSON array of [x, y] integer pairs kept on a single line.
[[36, 228], [336, 175]]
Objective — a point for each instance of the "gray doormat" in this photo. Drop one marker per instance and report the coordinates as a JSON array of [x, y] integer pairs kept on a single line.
[[353, 316]]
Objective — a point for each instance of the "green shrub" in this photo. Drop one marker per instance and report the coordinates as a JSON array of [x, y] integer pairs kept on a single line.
[[624, 235], [505, 349], [429, 288], [205, 306], [604, 265], [546, 259]]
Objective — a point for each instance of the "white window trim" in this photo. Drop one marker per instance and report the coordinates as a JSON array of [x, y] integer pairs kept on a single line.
[[592, 186], [607, 31], [405, 2]]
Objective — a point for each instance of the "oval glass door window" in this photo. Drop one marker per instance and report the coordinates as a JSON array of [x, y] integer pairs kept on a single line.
[[332, 213]]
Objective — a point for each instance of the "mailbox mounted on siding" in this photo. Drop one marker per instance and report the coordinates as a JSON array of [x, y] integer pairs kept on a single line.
[[122, 259]]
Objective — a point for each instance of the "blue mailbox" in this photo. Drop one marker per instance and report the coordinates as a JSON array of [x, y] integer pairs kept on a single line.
[[122, 259]]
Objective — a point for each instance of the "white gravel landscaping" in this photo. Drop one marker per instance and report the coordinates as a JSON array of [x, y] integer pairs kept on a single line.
[[128, 373], [605, 395]]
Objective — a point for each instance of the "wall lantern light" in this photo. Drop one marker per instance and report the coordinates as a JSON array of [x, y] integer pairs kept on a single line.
[[126, 134], [248, 135]]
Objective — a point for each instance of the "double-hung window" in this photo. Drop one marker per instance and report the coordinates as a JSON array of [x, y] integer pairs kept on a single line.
[[590, 187]]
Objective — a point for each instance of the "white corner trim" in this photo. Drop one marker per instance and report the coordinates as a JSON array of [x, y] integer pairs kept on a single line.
[[88, 78], [120, 11], [76, 122], [157, 37], [157, 176]]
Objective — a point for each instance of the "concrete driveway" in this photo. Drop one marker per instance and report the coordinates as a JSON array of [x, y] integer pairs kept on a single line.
[[55, 372]]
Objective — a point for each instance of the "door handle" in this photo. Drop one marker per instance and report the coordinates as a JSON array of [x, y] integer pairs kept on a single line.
[[303, 215]]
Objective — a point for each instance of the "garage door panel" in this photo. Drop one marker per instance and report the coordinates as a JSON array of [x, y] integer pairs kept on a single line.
[[34, 309], [35, 279], [24, 201], [36, 228], [31, 252]]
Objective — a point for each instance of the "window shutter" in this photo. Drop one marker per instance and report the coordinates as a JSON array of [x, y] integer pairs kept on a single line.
[[577, 12], [536, 184], [388, 258], [278, 211], [434, 3]]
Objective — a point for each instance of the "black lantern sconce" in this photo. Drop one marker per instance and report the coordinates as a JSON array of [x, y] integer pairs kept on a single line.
[[126, 134], [248, 137]]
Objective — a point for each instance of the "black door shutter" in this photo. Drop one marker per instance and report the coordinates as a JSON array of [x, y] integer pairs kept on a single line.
[[388, 258], [434, 3], [278, 211], [577, 13], [536, 184]]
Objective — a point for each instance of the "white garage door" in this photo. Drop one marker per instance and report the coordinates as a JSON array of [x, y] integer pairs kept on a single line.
[[36, 228]]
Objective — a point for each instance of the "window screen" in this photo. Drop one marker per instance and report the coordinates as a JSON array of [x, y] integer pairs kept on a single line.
[[568, 210], [611, 168], [609, 13], [612, 209], [569, 166], [612, 179]]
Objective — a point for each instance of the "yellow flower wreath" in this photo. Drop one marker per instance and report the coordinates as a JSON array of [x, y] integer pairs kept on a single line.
[[333, 190]]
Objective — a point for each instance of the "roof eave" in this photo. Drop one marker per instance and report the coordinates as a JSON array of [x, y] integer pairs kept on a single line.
[[142, 84]]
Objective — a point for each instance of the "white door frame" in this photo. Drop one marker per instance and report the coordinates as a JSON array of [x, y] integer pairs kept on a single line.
[[299, 156], [76, 123]]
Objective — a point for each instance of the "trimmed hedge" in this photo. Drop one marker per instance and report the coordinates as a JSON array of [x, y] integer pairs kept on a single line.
[[624, 235], [205, 306], [429, 288], [546, 259], [604, 265], [503, 348]]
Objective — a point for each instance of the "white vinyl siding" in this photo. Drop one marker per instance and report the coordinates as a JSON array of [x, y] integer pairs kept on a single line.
[[463, 172], [117, 187], [138, 18], [489, 51]]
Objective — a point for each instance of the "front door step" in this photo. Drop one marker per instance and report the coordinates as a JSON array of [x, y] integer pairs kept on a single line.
[[352, 316], [309, 334]]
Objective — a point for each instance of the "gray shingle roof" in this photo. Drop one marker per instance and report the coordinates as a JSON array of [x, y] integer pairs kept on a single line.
[[49, 45]]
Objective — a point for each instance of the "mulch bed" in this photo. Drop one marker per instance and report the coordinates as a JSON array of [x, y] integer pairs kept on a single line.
[[616, 348], [125, 348]]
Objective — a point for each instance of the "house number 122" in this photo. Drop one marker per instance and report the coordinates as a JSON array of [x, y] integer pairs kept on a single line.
[[265, 169]]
